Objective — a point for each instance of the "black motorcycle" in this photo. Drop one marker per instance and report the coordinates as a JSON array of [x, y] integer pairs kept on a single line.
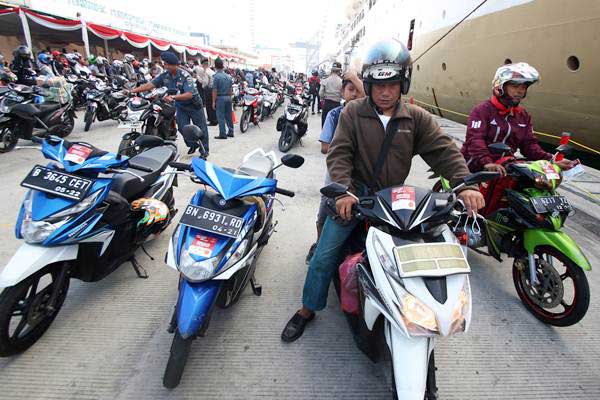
[[103, 104], [23, 114], [293, 124]]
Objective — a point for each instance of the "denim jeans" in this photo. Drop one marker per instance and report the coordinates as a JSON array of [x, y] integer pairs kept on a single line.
[[224, 115], [187, 113], [328, 256]]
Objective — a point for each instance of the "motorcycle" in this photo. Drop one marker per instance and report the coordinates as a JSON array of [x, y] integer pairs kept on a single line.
[[293, 124], [103, 104], [217, 242], [252, 108], [268, 104], [412, 280], [23, 114], [523, 219], [86, 213], [81, 85]]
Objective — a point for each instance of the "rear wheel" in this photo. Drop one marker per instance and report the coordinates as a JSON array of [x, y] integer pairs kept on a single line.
[[8, 139], [88, 119], [245, 121], [24, 309], [180, 350], [562, 297], [286, 140], [68, 123]]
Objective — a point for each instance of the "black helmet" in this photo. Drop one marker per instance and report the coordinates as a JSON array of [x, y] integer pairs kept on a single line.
[[387, 61], [22, 52], [315, 72]]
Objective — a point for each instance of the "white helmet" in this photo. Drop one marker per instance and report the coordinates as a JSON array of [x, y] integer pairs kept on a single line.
[[129, 57], [117, 63], [518, 73]]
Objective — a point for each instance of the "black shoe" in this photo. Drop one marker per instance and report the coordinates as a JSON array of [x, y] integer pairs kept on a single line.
[[295, 327], [311, 253], [230, 135], [313, 113], [220, 137], [191, 150], [213, 124]]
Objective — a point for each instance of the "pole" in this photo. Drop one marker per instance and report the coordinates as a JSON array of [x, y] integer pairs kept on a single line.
[[25, 26], [84, 36], [150, 51], [106, 48], [184, 55]]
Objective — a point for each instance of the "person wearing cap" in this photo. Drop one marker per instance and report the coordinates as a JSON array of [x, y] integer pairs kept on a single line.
[[188, 104], [330, 91], [221, 100]]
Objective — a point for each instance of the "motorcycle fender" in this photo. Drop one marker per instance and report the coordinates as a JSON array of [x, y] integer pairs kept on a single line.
[[410, 358], [31, 258], [194, 305], [533, 238]]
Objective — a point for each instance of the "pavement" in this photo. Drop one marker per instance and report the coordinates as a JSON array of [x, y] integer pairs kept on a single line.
[[110, 342]]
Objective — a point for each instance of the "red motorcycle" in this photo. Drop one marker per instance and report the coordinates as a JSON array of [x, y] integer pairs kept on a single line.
[[253, 109]]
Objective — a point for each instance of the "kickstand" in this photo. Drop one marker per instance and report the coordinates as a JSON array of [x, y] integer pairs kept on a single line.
[[256, 288], [139, 270], [146, 252]]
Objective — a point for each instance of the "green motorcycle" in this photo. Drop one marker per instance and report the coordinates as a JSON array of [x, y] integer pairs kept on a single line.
[[523, 218]]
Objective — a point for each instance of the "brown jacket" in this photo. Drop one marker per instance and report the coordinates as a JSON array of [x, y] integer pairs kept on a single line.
[[359, 136]]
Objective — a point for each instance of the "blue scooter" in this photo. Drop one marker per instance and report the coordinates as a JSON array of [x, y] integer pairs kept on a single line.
[[86, 213], [220, 235]]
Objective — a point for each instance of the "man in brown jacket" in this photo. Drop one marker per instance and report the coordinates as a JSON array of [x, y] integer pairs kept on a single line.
[[358, 139]]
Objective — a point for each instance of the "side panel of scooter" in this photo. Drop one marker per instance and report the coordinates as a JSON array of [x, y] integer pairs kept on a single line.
[[410, 358], [194, 304]]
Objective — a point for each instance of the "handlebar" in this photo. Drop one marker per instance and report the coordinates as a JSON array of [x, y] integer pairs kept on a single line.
[[285, 192], [180, 166]]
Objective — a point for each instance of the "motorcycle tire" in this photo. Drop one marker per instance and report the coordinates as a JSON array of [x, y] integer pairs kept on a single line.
[[531, 297], [245, 121], [88, 118], [180, 350], [66, 129], [25, 298], [287, 139], [8, 140]]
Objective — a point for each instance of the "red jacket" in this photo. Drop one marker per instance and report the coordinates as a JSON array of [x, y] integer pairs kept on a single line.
[[491, 122]]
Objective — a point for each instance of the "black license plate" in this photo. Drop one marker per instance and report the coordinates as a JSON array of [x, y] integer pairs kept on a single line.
[[212, 221], [546, 204], [58, 183]]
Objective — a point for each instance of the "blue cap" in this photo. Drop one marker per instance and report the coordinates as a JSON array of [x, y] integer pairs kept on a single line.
[[169, 58]]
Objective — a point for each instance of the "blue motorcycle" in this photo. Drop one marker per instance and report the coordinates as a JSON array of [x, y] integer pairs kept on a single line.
[[219, 238], [85, 214]]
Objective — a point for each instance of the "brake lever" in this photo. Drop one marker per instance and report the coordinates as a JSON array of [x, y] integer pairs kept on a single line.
[[280, 203]]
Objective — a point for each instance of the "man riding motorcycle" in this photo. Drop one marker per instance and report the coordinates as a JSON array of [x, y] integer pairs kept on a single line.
[[502, 119], [356, 148]]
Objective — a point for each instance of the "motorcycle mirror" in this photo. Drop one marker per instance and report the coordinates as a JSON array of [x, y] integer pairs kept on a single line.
[[565, 149], [333, 190], [479, 177], [499, 148], [292, 160]]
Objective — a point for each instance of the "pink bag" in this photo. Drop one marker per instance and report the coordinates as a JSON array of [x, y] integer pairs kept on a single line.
[[349, 283]]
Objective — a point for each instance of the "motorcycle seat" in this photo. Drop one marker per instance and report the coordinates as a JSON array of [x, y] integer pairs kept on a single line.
[[47, 108], [155, 159], [257, 165]]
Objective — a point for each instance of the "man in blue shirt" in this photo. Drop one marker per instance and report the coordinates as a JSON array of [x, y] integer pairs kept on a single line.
[[188, 104], [222, 92], [249, 78]]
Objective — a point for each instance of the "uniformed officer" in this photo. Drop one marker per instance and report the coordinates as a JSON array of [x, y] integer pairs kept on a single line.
[[188, 103], [331, 90], [221, 99]]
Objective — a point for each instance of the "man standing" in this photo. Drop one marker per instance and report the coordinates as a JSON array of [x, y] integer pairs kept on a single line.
[[330, 91], [205, 76], [314, 84], [221, 98], [188, 104]]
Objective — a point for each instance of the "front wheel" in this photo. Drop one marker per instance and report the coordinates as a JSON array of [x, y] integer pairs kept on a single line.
[[562, 296], [8, 139], [180, 350], [88, 119], [245, 121], [25, 312], [286, 140]]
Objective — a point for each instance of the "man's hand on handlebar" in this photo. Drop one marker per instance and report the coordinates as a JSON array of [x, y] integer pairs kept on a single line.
[[472, 199], [564, 164], [344, 205], [495, 168]]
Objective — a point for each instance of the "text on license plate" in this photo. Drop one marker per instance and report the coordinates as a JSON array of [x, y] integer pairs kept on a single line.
[[212, 221], [57, 183], [550, 203]]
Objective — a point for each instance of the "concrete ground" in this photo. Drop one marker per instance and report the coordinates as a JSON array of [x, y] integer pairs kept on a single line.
[[110, 341]]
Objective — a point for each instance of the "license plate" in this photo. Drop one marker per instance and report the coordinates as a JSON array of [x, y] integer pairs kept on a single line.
[[58, 183], [130, 124], [546, 204], [212, 221]]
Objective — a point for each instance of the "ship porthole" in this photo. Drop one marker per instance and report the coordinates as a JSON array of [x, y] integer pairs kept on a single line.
[[508, 61], [444, 66], [573, 63]]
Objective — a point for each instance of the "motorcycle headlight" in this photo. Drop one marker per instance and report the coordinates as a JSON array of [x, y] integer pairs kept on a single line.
[[197, 271], [418, 318], [462, 310]]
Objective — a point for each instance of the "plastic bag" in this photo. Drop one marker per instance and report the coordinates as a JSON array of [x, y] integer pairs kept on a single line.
[[349, 283]]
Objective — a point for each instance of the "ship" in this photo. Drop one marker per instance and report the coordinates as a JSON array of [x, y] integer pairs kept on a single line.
[[457, 45]]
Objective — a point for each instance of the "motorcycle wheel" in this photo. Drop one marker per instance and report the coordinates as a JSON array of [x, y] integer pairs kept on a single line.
[[68, 125], [245, 121], [88, 118], [8, 140], [27, 301], [563, 296], [180, 350], [287, 138]]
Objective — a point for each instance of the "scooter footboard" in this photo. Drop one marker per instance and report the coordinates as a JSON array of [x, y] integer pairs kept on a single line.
[[194, 305], [410, 358]]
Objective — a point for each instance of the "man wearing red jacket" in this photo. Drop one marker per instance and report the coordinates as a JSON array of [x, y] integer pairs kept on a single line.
[[501, 119]]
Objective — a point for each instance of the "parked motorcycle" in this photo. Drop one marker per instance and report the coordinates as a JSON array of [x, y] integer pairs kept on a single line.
[[103, 104], [293, 124], [412, 283], [523, 219], [81, 85], [86, 213], [269, 104], [23, 114], [219, 238], [252, 108]]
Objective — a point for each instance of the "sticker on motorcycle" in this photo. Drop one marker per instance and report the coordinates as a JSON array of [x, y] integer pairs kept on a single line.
[[203, 246], [78, 154], [403, 198], [550, 172]]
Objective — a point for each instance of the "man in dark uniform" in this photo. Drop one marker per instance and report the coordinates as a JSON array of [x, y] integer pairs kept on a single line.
[[188, 103]]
